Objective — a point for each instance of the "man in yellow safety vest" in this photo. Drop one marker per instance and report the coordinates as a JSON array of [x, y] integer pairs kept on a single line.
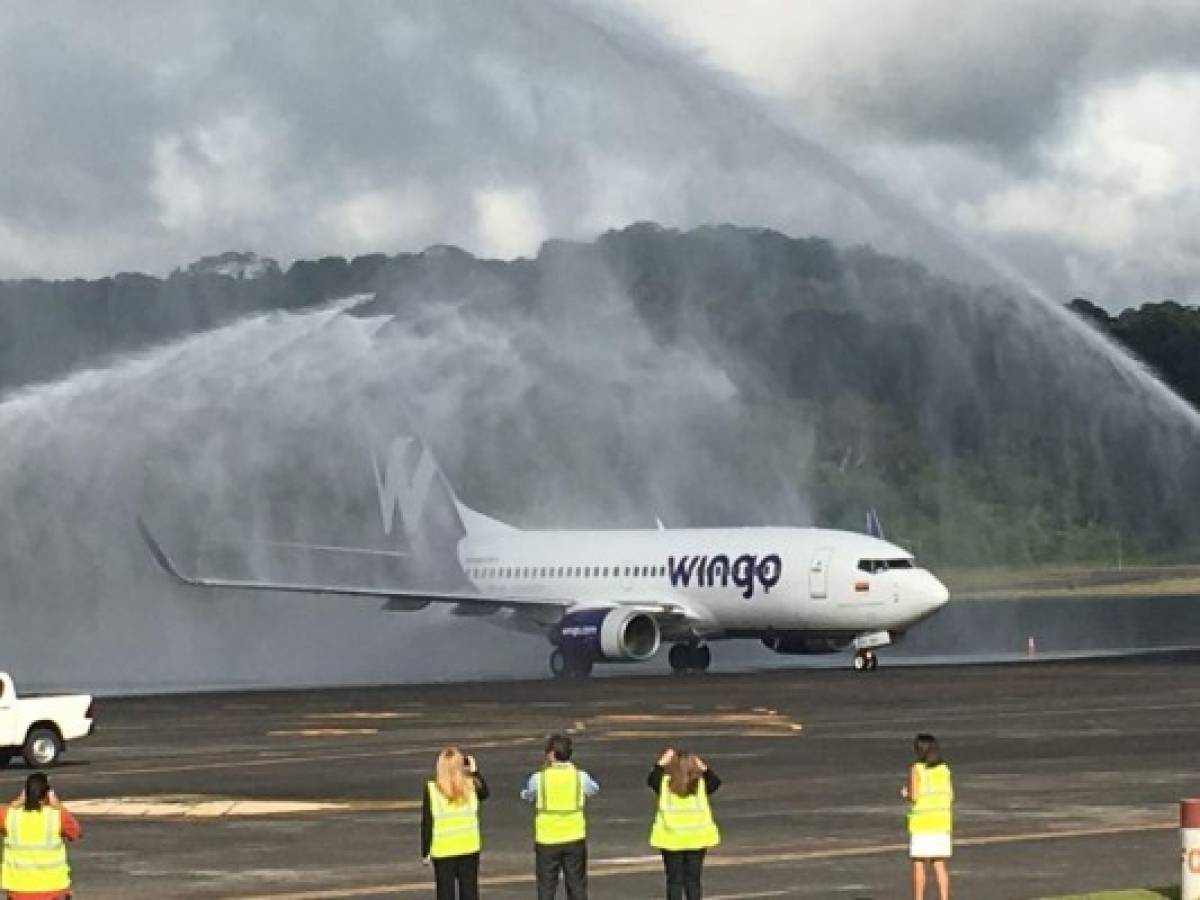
[[559, 792], [36, 828]]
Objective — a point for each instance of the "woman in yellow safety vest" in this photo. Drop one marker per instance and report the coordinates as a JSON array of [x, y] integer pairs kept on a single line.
[[683, 822], [450, 835], [36, 830], [930, 795]]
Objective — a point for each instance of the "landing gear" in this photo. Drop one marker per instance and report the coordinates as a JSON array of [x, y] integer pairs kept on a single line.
[[563, 666], [690, 657], [865, 661]]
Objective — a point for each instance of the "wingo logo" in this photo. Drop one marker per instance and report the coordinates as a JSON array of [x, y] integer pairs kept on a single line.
[[717, 571]]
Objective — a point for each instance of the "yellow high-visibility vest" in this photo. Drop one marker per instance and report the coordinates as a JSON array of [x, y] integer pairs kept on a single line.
[[560, 802], [455, 825], [683, 823], [35, 855], [932, 812]]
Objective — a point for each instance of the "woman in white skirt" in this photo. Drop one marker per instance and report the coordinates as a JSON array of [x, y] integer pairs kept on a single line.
[[930, 796]]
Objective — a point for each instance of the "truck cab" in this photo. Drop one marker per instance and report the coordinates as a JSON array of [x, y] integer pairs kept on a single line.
[[39, 728]]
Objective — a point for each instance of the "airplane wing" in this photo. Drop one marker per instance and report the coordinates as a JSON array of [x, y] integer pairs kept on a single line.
[[397, 599]]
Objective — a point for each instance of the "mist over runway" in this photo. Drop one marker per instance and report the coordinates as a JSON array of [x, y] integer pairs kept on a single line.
[[582, 389]]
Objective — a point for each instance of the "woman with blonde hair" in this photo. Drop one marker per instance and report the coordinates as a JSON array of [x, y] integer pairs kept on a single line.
[[930, 794], [450, 834], [683, 828]]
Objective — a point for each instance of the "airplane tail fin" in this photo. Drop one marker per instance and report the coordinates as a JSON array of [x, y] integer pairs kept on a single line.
[[410, 482]]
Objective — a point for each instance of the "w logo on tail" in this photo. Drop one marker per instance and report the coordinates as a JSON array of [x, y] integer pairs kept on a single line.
[[404, 486]]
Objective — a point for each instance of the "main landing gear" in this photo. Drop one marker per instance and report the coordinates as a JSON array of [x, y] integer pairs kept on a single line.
[[690, 657], [865, 661], [563, 666]]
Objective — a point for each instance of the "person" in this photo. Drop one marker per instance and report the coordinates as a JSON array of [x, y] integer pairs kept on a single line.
[[37, 828], [930, 795], [559, 791], [683, 828], [450, 834]]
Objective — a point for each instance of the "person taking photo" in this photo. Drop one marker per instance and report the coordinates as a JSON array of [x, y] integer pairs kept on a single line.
[[684, 829], [37, 829], [450, 833]]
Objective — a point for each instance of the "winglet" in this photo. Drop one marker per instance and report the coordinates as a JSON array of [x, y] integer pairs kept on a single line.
[[874, 526], [159, 554]]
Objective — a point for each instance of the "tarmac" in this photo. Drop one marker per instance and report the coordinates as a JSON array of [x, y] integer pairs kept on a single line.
[[1068, 777]]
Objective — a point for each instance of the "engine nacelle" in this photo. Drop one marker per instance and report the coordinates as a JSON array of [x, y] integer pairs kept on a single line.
[[609, 635], [804, 645]]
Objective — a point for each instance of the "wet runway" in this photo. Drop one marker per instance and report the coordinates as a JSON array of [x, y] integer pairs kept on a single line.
[[1068, 775]]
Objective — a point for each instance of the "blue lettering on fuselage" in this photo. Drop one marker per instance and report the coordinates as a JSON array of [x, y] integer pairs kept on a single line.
[[719, 570]]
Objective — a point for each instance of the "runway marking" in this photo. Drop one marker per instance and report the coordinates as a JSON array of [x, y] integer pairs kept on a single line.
[[243, 763], [1006, 714], [642, 865], [762, 722], [364, 715], [207, 807], [322, 732]]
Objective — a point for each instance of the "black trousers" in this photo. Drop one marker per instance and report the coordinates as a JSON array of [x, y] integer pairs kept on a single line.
[[684, 868], [457, 877], [570, 859]]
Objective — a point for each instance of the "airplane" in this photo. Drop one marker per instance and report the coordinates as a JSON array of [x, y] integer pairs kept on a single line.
[[617, 596]]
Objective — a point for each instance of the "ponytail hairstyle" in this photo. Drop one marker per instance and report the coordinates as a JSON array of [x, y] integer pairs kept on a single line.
[[927, 751], [451, 778], [684, 772], [37, 789]]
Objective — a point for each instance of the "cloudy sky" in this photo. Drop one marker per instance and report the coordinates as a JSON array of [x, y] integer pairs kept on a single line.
[[1054, 143]]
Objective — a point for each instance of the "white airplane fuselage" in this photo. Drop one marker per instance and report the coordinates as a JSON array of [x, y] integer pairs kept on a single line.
[[739, 582]]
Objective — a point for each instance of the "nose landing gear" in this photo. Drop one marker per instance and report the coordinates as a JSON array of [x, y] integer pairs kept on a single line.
[[865, 661], [690, 658]]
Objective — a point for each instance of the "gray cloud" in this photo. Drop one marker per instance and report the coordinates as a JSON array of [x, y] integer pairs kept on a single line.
[[140, 135]]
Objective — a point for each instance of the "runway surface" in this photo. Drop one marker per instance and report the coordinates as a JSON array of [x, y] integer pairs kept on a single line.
[[1068, 775]]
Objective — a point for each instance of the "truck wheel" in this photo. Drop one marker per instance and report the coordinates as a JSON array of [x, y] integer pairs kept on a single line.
[[42, 748]]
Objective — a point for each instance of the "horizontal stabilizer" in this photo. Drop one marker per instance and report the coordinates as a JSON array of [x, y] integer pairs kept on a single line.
[[397, 599]]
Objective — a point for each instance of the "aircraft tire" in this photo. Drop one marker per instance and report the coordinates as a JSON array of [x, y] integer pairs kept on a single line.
[[558, 664], [5, 758], [701, 658], [679, 657], [865, 661]]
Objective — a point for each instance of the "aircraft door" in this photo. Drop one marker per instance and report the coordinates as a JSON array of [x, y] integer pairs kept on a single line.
[[818, 573]]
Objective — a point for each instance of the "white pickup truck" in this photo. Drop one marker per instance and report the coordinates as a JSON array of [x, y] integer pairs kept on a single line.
[[38, 728]]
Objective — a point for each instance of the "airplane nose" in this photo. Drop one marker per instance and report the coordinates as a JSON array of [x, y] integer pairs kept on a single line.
[[938, 594]]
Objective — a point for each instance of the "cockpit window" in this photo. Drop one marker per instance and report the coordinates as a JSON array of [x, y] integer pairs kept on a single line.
[[874, 566]]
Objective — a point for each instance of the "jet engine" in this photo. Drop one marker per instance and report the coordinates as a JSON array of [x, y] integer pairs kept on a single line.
[[608, 635], [792, 644]]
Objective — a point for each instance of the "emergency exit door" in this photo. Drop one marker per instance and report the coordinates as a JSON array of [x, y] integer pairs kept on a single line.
[[818, 573]]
